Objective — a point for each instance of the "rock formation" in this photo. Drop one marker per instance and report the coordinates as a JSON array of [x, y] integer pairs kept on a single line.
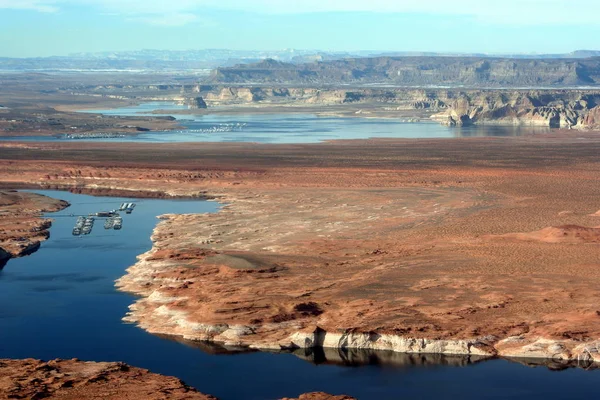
[[418, 71], [558, 109], [74, 379], [195, 103]]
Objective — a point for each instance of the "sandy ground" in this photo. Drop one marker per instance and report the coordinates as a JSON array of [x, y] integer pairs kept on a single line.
[[473, 246]]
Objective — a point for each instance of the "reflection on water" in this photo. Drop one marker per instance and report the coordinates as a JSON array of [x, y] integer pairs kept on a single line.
[[362, 357], [498, 131], [346, 357]]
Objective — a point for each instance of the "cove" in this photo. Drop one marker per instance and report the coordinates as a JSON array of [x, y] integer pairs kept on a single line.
[[60, 302]]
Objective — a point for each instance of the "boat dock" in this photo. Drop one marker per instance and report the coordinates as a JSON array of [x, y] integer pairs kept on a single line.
[[85, 224]]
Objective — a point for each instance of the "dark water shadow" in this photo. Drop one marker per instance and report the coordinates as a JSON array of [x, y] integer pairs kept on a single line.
[[353, 358]]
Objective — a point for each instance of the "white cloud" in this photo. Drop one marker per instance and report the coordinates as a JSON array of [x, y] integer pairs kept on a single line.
[[521, 12]]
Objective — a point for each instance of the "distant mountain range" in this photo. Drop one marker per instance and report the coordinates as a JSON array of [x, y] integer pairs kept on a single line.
[[199, 60]]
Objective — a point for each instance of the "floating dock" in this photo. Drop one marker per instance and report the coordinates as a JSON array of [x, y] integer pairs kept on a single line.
[[84, 225]]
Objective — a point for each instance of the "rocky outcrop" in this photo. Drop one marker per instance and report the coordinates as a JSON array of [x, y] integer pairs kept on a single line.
[[418, 71], [21, 228], [592, 118], [196, 103], [74, 379], [555, 109]]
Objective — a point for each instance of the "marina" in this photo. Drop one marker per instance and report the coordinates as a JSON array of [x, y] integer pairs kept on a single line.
[[85, 224]]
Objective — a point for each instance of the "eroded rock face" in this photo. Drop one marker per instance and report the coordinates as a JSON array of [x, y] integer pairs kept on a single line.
[[592, 119], [529, 108], [196, 103]]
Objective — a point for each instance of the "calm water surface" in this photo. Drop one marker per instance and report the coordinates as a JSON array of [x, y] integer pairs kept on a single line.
[[287, 128], [61, 302]]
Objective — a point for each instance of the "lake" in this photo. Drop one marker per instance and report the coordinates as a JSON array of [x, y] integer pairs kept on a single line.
[[60, 302], [283, 128]]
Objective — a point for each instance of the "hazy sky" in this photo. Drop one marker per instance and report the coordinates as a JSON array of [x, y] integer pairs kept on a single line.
[[58, 27]]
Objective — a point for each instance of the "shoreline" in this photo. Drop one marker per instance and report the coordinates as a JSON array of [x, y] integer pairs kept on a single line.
[[515, 347]]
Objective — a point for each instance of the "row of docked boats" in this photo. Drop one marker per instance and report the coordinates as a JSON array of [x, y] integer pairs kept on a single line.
[[83, 226], [127, 207], [113, 223]]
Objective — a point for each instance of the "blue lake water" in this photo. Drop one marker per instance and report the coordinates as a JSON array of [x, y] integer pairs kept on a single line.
[[286, 128], [61, 302]]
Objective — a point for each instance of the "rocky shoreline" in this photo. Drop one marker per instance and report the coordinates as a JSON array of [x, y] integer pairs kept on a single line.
[[153, 277], [23, 229]]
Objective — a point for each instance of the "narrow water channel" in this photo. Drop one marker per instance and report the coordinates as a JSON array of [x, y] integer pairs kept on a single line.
[[61, 302]]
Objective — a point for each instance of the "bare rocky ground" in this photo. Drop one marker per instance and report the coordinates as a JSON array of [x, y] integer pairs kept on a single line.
[[407, 245]]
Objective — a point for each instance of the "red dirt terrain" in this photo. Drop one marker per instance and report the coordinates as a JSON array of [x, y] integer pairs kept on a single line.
[[469, 246]]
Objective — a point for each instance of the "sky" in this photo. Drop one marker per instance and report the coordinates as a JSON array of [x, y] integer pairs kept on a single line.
[[39, 28]]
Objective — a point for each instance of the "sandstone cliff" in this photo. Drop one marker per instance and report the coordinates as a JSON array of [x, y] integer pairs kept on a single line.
[[561, 109]]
